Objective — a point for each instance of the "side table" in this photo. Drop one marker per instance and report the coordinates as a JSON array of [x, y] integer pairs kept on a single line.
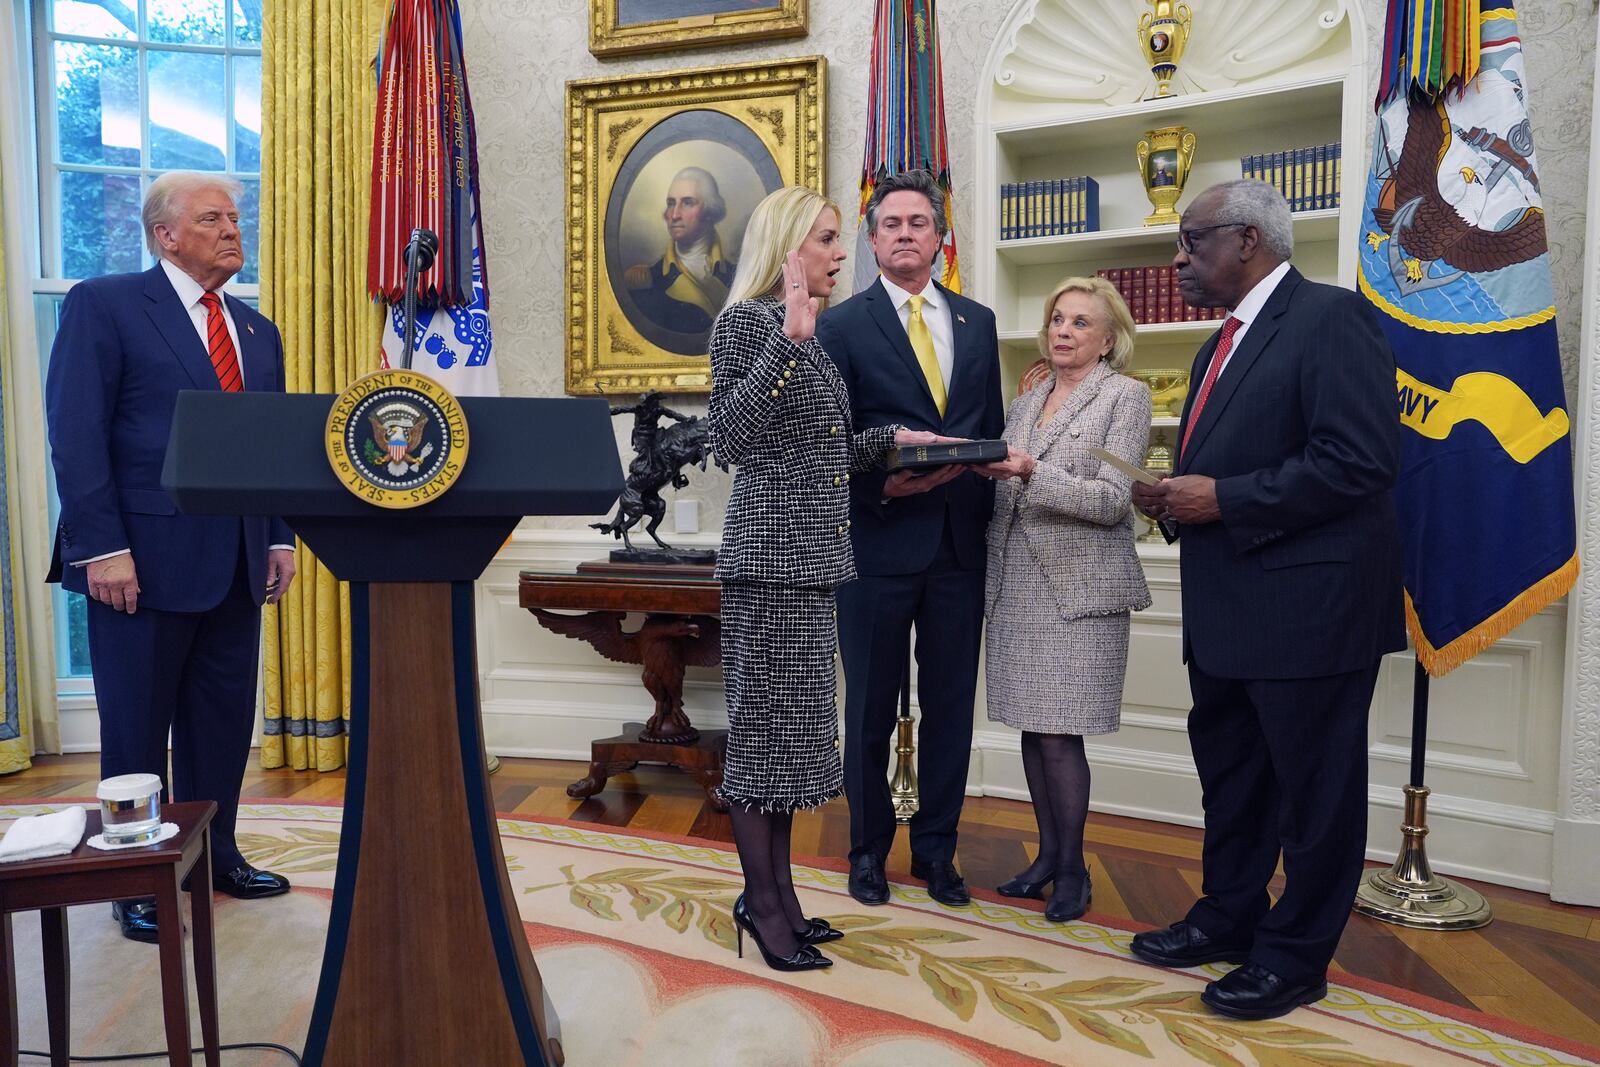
[[89, 876], [680, 605]]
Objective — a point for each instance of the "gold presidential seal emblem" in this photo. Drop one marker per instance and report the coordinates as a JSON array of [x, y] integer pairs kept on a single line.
[[396, 439]]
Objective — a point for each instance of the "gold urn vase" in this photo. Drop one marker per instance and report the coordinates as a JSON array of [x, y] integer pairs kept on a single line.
[[1157, 460], [1165, 158], [1163, 34]]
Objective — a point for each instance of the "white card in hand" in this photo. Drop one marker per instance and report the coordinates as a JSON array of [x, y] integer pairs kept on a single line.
[[1138, 474]]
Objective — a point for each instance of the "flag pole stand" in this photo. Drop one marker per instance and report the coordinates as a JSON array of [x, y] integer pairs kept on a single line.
[[903, 787], [1409, 893]]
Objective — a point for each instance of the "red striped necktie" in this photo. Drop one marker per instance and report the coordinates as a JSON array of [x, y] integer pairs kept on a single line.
[[223, 359], [1224, 348]]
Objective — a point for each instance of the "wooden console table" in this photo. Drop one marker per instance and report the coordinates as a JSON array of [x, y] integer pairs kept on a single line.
[[680, 605]]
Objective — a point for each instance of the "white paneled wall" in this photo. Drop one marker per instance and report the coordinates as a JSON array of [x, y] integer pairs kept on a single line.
[[1494, 726]]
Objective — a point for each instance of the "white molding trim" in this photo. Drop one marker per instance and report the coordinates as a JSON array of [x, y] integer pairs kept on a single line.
[[1505, 844]]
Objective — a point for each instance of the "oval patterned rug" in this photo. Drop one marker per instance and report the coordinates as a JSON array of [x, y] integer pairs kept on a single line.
[[635, 940]]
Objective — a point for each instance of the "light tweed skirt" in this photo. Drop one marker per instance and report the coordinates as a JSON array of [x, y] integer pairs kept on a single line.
[[778, 646], [1046, 674]]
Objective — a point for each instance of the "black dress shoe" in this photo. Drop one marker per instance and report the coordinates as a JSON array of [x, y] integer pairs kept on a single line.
[[1253, 992], [1070, 900], [1183, 945], [250, 883], [1021, 889], [137, 919], [867, 883], [944, 881]]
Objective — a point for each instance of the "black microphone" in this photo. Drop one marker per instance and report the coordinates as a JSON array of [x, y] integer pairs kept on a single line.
[[423, 247]]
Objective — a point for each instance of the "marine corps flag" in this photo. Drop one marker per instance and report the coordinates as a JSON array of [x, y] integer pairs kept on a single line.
[[425, 174], [905, 122], [1453, 256]]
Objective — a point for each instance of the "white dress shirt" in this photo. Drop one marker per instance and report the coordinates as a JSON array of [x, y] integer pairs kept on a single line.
[[936, 313], [189, 294], [1250, 307]]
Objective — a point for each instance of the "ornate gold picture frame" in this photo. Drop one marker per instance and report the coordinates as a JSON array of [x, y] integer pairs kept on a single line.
[[618, 27], [663, 171]]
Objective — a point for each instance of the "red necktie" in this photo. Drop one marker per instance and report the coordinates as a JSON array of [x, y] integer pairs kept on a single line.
[[223, 359], [1224, 346]]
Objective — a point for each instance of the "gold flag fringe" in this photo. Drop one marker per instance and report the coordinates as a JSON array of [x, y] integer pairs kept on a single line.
[[1439, 662]]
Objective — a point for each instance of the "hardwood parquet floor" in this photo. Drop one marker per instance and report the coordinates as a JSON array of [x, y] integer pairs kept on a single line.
[[1537, 963]]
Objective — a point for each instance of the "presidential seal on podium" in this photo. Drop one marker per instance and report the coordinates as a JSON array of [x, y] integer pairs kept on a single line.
[[396, 439]]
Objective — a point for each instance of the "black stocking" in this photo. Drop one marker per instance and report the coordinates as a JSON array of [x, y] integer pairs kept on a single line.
[[783, 873], [754, 834], [1058, 779]]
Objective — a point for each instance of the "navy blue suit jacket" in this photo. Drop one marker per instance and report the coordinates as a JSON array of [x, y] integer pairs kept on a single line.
[[125, 348], [1301, 577], [866, 341]]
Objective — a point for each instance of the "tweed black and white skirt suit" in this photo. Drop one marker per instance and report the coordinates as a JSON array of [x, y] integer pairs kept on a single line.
[[780, 412]]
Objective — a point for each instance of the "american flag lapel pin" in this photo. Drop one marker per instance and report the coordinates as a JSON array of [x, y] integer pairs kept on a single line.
[[249, 328], [962, 319]]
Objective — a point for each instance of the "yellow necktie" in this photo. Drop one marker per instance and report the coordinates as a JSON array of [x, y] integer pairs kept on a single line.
[[922, 345]]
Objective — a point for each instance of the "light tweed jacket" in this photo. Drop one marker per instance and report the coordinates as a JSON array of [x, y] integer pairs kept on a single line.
[[1074, 510], [780, 411]]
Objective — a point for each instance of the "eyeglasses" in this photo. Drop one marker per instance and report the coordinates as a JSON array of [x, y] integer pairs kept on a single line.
[[1186, 237]]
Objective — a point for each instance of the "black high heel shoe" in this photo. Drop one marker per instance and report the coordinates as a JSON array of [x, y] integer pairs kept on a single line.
[[1020, 888], [804, 958], [817, 931], [1065, 904]]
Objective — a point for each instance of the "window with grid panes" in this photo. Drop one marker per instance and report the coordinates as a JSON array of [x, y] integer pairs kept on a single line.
[[125, 90]]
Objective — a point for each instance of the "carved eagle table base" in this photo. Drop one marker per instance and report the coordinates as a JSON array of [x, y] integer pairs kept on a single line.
[[680, 630]]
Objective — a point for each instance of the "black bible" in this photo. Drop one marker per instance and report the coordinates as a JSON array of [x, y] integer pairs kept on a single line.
[[921, 457]]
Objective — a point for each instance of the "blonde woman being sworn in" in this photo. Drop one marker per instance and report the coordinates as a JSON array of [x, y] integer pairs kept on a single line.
[[1063, 574], [779, 411]]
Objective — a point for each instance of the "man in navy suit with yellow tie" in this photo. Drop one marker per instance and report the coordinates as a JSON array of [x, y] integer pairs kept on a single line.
[[174, 600], [916, 354]]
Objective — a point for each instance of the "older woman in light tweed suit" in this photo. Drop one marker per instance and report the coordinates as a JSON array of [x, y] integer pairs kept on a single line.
[[1063, 574], [780, 412]]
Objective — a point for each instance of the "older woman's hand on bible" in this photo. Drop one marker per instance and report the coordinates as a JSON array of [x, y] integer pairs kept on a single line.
[[1017, 464]]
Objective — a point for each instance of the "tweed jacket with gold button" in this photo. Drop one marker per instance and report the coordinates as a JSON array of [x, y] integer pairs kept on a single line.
[[780, 412]]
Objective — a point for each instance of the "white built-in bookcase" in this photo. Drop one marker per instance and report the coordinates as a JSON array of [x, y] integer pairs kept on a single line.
[[1062, 94]]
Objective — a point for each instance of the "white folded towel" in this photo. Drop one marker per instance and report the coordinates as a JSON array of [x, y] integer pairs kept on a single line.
[[37, 837]]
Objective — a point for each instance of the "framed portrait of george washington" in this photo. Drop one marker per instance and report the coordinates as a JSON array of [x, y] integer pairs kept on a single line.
[[663, 171], [618, 27]]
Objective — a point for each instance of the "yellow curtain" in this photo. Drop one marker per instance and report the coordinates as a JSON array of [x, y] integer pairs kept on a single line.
[[16, 704], [318, 96]]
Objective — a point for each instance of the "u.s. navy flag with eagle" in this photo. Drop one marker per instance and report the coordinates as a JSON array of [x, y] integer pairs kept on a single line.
[[1453, 255]]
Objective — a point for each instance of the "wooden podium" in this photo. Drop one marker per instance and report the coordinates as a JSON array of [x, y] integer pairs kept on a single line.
[[426, 960]]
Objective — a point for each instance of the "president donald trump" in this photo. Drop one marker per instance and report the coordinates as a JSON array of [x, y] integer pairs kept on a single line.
[[174, 600]]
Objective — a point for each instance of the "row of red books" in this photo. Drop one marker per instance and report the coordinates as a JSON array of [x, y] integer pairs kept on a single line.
[[1152, 295]]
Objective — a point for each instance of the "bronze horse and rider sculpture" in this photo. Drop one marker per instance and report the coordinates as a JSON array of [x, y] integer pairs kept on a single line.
[[659, 455]]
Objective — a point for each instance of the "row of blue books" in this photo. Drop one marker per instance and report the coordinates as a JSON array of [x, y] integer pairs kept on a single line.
[[1309, 178], [1049, 208]]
